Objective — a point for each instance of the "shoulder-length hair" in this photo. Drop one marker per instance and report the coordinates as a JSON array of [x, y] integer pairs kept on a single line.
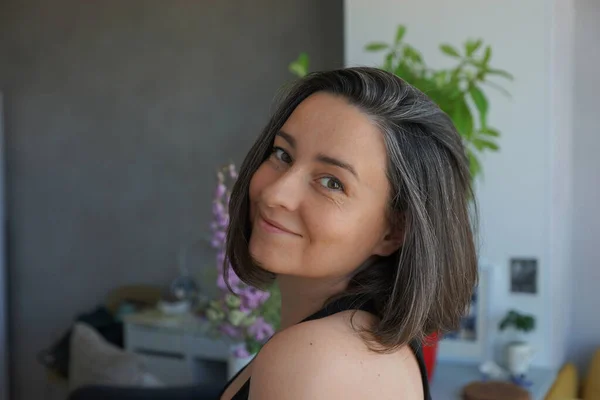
[[426, 286]]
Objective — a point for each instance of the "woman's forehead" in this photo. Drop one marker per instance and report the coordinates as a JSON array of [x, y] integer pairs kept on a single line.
[[326, 120]]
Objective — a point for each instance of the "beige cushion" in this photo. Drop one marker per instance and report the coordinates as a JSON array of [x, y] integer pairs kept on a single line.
[[591, 387], [566, 384], [94, 361]]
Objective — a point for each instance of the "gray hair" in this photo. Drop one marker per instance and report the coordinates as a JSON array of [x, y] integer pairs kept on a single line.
[[426, 286]]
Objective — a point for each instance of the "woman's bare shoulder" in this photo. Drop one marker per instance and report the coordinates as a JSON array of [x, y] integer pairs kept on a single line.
[[327, 358]]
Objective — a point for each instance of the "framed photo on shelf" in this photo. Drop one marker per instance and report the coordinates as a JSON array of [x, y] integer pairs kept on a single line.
[[469, 343]]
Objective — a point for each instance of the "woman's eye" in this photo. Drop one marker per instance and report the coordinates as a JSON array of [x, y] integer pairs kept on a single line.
[[331, 183], [282, 155]]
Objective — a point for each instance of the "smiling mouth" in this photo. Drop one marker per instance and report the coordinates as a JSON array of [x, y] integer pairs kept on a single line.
[[273, 227]]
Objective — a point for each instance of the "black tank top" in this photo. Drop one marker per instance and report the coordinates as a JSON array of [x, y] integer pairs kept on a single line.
[[340, 305]]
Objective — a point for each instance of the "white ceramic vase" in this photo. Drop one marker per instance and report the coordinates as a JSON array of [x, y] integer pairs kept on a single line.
[[235, 364], [518, 357]]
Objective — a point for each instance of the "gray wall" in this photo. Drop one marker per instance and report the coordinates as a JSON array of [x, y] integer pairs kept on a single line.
[[117, 115], [4, 385], [585, 331]]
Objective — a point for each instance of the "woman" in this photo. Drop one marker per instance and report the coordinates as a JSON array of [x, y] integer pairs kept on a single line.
[[355, 197]]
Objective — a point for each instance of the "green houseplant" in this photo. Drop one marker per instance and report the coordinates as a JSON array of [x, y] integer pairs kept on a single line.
[[518, 321], [458, 91], [518, 352]]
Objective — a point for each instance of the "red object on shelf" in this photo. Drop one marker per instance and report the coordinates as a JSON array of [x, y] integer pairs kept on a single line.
[[430, 348]]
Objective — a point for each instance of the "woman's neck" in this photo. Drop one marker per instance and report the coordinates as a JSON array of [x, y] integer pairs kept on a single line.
[[301, 297]]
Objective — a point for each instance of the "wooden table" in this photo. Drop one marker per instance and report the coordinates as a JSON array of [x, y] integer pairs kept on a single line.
[[450, 378]]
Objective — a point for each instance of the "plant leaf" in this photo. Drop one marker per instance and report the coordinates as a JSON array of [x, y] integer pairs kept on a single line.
[[387, 63], [482, 144], [297, 70], [471, 46], [449, 50], [377, 46], [439, 78], [475, 168], [498, 88], [403, 71], [400, 33], [490, 132], [481, 103], [412, 54], [487, 55], [500, 72], [462, 118], [299, 67]]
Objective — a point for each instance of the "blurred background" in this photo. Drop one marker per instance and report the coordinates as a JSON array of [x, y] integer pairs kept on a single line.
[[118, 116]]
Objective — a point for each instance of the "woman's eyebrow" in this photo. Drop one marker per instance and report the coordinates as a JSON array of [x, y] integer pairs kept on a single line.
[[320, 157], [288, 138], [337, 163]]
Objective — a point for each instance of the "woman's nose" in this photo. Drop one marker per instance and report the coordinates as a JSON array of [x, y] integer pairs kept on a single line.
[[286, 191]]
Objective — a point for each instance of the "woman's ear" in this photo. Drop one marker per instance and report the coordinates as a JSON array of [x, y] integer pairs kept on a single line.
[[393, 238]]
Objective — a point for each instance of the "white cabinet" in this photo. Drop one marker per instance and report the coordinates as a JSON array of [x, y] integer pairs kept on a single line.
[[176, 349], [170, 371]]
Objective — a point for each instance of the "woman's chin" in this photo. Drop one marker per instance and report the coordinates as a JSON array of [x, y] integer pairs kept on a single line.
[[265, 254], [270, 262], [267, 265]]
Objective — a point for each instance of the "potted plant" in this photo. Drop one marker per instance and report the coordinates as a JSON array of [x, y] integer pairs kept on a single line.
[[244, 316], [518, 351], [458, 91]]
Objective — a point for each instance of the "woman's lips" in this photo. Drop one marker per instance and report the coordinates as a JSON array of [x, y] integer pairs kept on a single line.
[[273, 226]]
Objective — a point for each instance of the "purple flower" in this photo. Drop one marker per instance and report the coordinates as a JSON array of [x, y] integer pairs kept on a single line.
[[220, 259], [218, 209], [221, 284], [222, 220], [244, 305], [241, 352], [230, 330], [261, 330], [218, 238], [221, 190], [232, 172], [234, 281], [252, 298]]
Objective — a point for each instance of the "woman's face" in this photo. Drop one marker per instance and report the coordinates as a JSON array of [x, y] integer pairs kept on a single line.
[[318, 203]]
